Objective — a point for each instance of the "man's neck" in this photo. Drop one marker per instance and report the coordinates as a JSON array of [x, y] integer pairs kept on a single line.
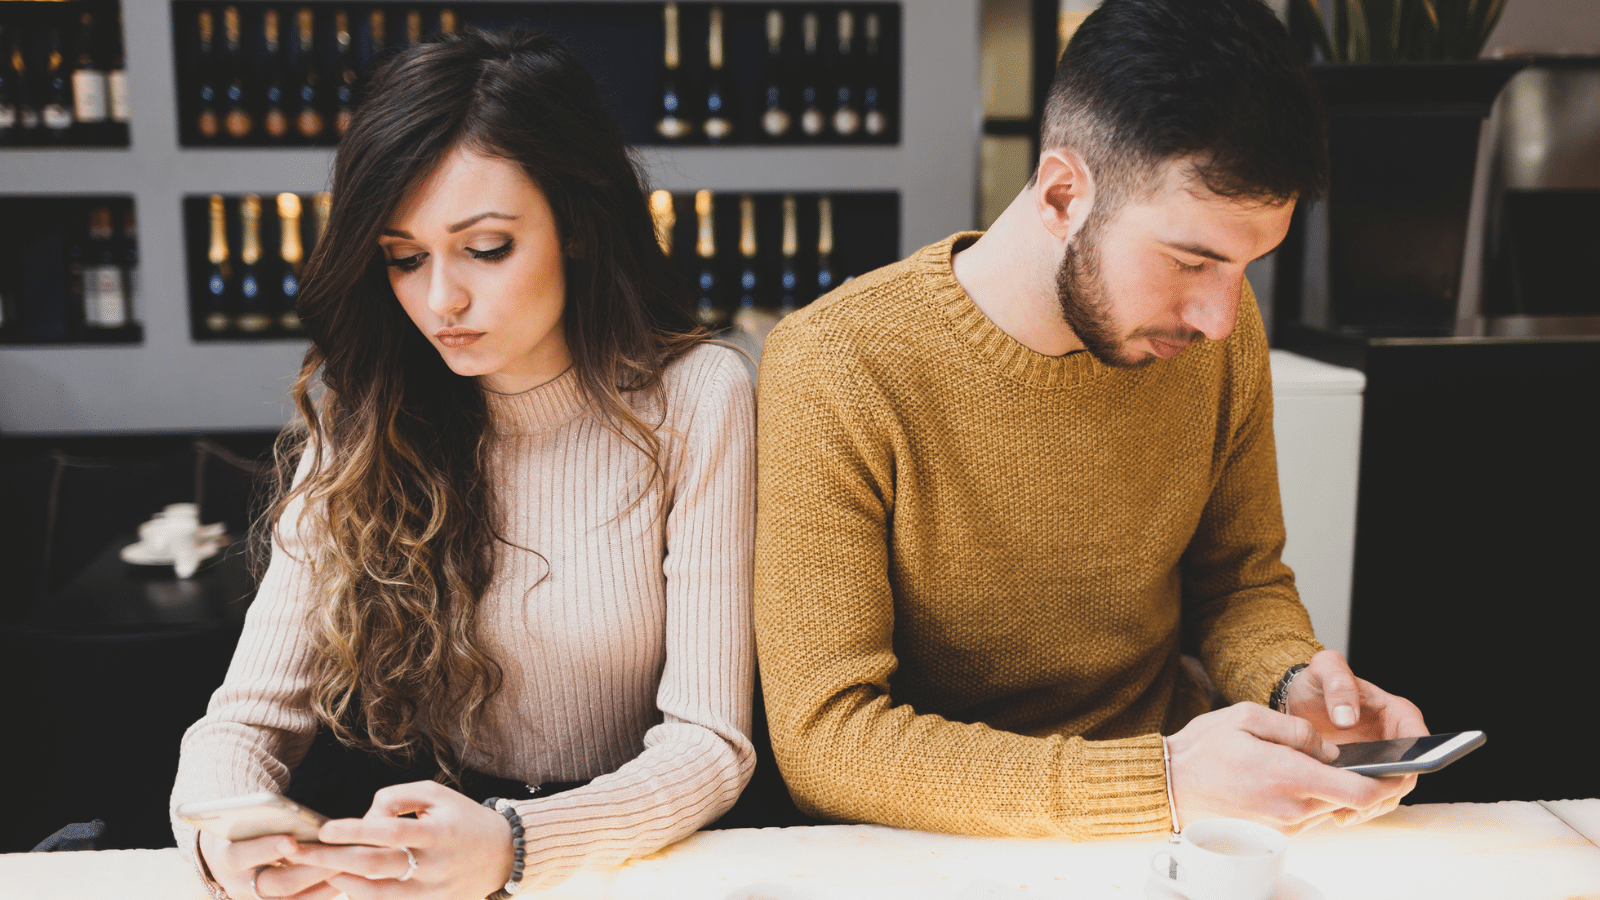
[[1010, 275]]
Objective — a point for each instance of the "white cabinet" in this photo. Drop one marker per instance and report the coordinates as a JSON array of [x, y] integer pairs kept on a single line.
[[1317, 425]]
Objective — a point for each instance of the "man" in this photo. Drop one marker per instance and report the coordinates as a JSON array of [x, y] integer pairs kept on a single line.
[[1006, 482]]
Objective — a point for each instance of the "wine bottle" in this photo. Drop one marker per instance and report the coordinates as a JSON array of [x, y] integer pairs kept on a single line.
[[776, 118], [825, 282], [208, 119], [10, 91], [873, 120], [753, 317], [253, 315], [236, 118], [413, 27], [811, 119], [274, 118], [665, 218], [90, 91], [290, 253], [846, 96], [309, 123], [377, 37], [344, 91], [71, 315], [447, 21], [105, 294], [670, 122], [789, 275], [748, 277], [56, 111], [321, 208], [28, 120], [719, 94], [117, 78], [709, 310], [220, 301], [130, 257]]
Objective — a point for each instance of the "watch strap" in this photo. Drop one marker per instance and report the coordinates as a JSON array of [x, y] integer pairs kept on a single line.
[[1279, 701]]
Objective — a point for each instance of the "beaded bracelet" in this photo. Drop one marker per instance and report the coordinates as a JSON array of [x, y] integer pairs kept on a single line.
[[518, 847]]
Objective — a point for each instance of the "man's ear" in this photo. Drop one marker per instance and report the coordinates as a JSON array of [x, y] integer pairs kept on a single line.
[[1063, 192]]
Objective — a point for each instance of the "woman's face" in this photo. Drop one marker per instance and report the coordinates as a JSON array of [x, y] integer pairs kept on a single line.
[[475, 258]]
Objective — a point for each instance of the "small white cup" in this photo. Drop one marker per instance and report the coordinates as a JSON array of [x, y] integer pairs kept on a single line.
[[1224, 859], [181, 512]]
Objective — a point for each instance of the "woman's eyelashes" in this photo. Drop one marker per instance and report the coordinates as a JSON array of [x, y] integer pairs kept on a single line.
[[494, 255], [413, 262], [407, 263]]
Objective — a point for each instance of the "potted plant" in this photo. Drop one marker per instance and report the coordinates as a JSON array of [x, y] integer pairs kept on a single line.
[[1406, 96]]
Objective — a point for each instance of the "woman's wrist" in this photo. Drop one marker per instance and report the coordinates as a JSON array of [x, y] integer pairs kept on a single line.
[[213, 886], [518, 847]]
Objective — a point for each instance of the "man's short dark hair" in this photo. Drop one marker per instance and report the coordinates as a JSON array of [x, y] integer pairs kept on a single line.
[[1216, 82]]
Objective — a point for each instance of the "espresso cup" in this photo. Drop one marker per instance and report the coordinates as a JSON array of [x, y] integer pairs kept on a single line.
[[1224, 859]]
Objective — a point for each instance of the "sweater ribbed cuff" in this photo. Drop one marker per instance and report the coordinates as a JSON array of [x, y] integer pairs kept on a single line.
[[1122, 787], [1272, 663]]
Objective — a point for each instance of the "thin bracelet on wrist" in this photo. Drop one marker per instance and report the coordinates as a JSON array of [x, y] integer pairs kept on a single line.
[[518, 847], [1172, 803]]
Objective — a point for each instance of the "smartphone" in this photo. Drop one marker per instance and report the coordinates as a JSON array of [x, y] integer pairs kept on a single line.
[[1407, 756], [253, 816]]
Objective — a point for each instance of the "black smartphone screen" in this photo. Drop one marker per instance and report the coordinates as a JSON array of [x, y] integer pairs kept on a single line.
[[1367, 753]]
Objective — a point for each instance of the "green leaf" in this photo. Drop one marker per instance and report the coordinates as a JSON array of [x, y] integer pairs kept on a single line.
[[1360, 35], [1433, 12], [1392, 46], [1341, 30], [1481, 34], [1320, 33]]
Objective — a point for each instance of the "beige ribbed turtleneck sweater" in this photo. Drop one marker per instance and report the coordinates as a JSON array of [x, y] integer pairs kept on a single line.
[[976, 565], [627, 659]]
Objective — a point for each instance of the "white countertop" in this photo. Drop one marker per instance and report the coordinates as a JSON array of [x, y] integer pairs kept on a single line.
[[1463, 851]]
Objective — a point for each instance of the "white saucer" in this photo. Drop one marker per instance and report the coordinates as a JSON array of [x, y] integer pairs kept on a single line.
[[1290, 887], [141, 554]]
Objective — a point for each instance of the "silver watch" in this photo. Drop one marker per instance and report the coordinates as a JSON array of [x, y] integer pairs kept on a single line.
[[1279, 701]]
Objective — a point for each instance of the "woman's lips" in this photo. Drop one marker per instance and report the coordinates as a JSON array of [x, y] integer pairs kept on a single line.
[[456, 338]]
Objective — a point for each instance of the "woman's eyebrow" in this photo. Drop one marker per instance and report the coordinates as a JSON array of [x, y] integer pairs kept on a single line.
[[459, 226]]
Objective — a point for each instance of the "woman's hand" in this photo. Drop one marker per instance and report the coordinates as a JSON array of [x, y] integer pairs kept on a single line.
[[234, 864], [462, 849]]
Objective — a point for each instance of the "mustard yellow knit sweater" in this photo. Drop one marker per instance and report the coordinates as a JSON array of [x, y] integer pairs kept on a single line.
[[976, 566]]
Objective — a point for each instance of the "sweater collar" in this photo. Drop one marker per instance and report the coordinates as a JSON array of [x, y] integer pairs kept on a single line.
[[543, 408], [985, 339]]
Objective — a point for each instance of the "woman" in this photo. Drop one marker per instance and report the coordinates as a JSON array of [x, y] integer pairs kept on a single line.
[[517, 548]]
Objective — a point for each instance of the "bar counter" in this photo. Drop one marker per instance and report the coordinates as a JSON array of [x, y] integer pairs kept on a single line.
[[1460, 851]]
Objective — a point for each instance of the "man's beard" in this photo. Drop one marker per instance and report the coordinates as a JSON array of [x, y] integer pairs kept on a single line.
[[1086, 305]]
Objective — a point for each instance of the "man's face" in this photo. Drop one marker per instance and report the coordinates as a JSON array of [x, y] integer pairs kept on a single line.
[[1163, 271]]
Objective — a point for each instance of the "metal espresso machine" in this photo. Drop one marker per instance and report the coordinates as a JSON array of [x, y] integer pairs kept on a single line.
[[1542, 230]]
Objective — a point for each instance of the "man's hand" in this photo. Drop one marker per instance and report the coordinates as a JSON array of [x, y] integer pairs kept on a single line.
[[1344, 708], [462, 849], [1249, 762]]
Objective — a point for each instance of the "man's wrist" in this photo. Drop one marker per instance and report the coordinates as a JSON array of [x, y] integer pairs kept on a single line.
[[1172, 800], [1278, 701]]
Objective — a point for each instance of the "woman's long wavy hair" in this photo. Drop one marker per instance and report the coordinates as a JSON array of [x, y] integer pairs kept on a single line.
[[403, 537]]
